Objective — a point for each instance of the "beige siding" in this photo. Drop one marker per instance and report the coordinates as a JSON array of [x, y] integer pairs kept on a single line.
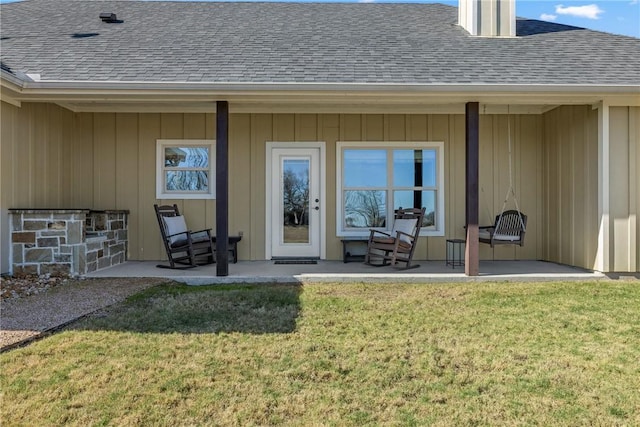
[[624, 193], [241, 193], [570, 232], [526, 173], [527, 134], [51, 157], [634, 176], [569, 224], [111, 163], [36, 157], [121, 147], [329, 130]]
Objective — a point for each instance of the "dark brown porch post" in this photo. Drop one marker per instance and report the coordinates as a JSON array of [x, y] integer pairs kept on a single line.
[[472, 124], [222, 188]]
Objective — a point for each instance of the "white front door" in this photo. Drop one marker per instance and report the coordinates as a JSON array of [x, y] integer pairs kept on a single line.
[[295, 204]]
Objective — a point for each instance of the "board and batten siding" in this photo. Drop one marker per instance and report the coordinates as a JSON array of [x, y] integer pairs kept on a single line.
[[570, 226], [122, 149], [108, 161], [624, 146], [570, 231], [36, 149]]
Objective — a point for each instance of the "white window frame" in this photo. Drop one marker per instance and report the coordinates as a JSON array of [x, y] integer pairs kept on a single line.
[[439, 228], [161, 191]]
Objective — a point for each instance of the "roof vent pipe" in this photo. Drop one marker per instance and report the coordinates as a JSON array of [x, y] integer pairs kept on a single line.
[[488, 18], [109, 17]]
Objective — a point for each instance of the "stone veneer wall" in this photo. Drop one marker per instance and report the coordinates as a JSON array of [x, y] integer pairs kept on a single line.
[[67, 241]]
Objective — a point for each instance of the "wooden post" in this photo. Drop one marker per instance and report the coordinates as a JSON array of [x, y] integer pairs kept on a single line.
[[472, 125], [222, 188]]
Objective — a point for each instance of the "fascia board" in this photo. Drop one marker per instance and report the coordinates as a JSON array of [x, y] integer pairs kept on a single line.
[[9, 79], [111, 91], [259, 87]]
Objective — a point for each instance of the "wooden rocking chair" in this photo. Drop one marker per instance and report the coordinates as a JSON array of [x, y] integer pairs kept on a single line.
[[185, 247], [509, 229], [399, 245]]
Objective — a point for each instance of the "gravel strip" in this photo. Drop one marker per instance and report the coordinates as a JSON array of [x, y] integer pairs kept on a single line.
[[31, 314], [20, 287]]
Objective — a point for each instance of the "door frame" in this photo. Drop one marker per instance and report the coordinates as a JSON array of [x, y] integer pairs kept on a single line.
[[269, 193]]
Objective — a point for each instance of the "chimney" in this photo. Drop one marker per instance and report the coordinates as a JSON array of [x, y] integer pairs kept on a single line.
[[488, 18]]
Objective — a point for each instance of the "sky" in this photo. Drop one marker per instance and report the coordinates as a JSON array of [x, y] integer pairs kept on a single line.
[[611, 16]]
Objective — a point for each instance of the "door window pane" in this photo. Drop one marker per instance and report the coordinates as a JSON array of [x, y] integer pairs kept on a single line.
[[295, 200]]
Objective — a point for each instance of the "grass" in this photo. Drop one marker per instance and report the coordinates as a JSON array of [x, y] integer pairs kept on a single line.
[[340, 354]]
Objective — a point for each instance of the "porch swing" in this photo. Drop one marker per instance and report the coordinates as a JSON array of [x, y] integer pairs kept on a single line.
[[510, 225]]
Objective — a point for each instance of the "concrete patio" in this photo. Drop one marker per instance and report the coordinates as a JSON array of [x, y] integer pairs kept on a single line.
[[337, 271]]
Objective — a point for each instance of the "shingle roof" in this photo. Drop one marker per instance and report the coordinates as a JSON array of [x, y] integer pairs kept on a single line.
[[299, 42]]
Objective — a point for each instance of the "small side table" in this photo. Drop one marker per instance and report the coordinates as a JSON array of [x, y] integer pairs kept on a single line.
[[455, 252]]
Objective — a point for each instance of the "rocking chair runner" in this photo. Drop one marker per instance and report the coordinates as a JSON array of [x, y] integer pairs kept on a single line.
[[399, 245], [183, 246]]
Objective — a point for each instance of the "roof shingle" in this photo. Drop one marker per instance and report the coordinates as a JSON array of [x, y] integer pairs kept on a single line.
[[299, 42]]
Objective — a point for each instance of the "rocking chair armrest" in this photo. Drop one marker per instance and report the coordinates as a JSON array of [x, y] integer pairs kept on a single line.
[[410, 236], [201, 235], [190, 233], [373, 232], [206, 230], [169, 236]]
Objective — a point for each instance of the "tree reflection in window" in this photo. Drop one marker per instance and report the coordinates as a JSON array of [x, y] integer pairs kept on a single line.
[[379, 178], [365, 208], [187, 169], [296, 192]]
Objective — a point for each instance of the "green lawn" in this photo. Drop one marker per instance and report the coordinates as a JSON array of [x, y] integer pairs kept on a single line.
[[340, 354]]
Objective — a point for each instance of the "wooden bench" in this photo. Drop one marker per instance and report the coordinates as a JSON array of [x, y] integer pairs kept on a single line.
[[233, 246]]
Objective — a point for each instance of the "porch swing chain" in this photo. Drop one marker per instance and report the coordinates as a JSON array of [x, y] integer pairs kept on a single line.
[[511, 190]]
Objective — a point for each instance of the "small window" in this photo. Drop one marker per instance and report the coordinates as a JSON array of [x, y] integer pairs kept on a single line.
[[185, 169], [376, 178]]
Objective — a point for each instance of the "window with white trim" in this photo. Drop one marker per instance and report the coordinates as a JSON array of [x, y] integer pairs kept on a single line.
[[376, 178], [185, 169]]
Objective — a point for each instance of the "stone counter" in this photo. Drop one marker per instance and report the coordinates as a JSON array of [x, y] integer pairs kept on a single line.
[[67, 241]]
